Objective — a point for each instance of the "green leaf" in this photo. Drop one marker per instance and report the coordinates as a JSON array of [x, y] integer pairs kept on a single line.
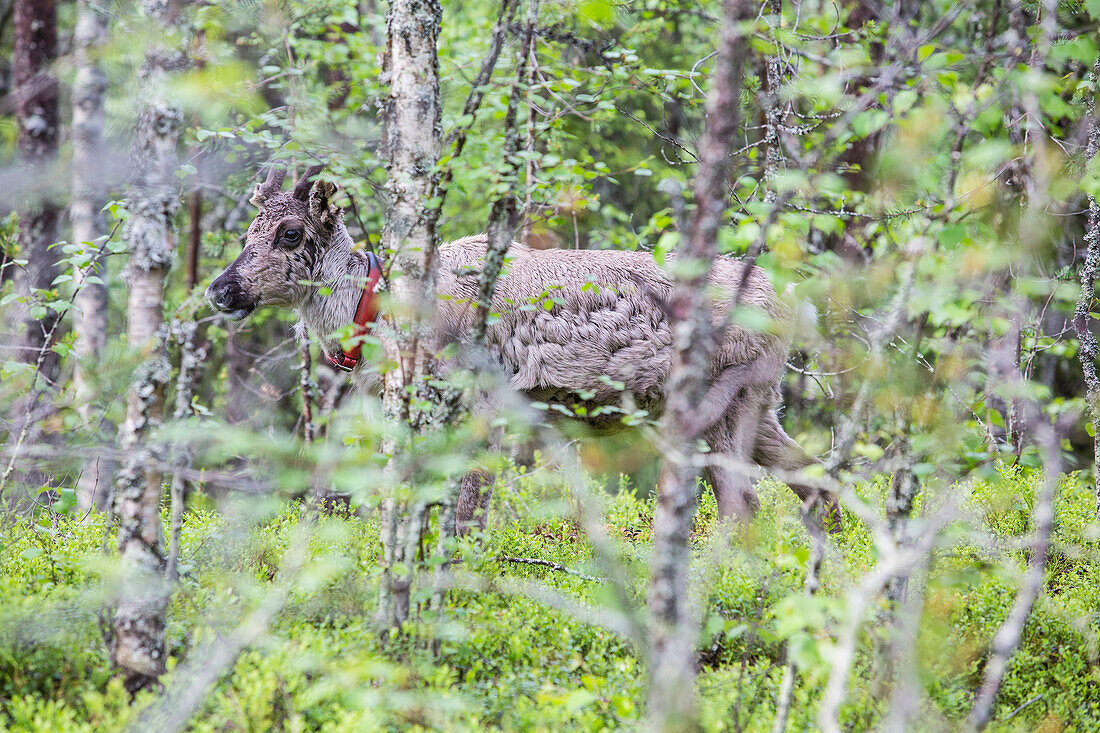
[[936, 61], [951, 235], [612, 383], [904, 100], [869, 121], [667, 243], [870, 451], [10, 368], [599, 12], [578, 699], [923, 469]]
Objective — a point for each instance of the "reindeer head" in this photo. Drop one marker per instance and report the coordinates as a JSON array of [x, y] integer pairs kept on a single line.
[[284, 247]]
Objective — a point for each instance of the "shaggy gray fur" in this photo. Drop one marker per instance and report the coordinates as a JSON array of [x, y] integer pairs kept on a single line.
[[608, 326], [608, 321]]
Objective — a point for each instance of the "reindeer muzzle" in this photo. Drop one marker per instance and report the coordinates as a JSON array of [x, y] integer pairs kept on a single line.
[[228, 298]]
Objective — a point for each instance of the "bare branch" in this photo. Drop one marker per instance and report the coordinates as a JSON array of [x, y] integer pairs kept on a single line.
[[671, 692], [1008, 635], [552, 565]]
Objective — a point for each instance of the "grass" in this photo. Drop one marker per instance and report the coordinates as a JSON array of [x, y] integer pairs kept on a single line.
[[498, 660]]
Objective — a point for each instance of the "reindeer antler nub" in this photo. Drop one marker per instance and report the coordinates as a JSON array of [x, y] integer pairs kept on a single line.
[[270, 187], [301, 188]]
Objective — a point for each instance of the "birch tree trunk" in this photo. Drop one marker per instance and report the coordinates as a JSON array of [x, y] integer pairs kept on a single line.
[[412, 141], [37, 115], [138, 644], [89, 317], [1090, 350], [88, 196], [772, 78], [671, 699]]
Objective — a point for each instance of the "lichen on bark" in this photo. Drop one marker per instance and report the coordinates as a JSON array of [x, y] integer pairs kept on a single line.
[[674, 622], [411, 147], [153, 199]]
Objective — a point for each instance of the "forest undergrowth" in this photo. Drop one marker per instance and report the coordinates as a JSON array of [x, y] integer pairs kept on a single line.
[[496, 658]]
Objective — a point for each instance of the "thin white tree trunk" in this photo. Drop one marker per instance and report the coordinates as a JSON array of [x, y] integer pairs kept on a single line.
[[1081, 318], [412, 141], [88, 195], [674, 623], [138, 644], [773, 151], [89, 316]]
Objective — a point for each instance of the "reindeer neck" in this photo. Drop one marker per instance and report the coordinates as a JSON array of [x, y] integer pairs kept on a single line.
[[343, 273]]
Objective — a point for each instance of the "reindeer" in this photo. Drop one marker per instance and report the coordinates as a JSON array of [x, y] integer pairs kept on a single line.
[[605, 343]]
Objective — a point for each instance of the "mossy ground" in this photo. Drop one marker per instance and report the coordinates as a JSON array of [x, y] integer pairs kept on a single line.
[[500, 660]]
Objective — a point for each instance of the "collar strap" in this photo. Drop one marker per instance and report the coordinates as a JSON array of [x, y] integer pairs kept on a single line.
[[366, 313]]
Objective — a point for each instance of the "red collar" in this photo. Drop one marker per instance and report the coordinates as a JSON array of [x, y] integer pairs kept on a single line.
[[366, 313]]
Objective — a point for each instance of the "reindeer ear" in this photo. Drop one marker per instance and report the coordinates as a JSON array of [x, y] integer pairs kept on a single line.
[[321, 207]]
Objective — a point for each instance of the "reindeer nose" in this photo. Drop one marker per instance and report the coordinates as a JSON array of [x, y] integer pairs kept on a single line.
[[217, 294], [227, 297]]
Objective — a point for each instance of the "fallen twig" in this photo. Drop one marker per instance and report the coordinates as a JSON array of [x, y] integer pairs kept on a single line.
[[550, 564]]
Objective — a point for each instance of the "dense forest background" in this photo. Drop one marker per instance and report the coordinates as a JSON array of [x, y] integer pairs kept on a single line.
[[193, 510]]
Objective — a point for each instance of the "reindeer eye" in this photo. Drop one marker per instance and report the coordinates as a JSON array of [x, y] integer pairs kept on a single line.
[[292, 236]]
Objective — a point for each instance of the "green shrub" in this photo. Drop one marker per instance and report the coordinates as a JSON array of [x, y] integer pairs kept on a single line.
[[501, 661]]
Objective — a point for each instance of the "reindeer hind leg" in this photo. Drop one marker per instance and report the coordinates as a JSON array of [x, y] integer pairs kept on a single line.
[[777, 450], [731, 439]]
